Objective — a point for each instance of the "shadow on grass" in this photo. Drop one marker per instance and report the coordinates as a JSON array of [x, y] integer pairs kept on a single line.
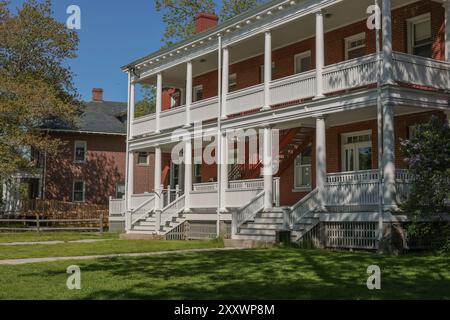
[[265, 274]]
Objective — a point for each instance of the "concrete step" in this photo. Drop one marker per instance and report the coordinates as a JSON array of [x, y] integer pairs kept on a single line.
[[264, 226], [268, 220], [146, 223], [263, 232], [143, 228]]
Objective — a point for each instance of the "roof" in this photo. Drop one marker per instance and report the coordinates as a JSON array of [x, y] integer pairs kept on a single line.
[[106, 117], [206, 33]]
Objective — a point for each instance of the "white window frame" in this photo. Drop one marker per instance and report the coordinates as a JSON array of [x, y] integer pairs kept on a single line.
[[117, 189], [344, 137], [73, 191], [303, 54], [84, 144], [355, 37], [410, 30], [302, 188], [195, 90], [147, 162]]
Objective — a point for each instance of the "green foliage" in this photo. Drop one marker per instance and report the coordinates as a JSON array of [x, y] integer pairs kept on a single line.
[[179, 15], [231, 8], [148, 103], [35, 83], [428, 156]]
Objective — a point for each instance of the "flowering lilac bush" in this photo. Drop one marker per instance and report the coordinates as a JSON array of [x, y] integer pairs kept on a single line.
[[427, 155]]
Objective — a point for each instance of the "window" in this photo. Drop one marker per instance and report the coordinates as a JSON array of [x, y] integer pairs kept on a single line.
[[78, 191], [197, 173], [143, 158], [261, 72], [419, 36], [302, 172], [357, 151], [80, 151], [232, 82], [355, 46], [198, 93], [175, 99], [120, 190], [302, 62]]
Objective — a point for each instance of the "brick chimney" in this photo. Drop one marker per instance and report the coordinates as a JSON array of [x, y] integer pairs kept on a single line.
[[97, 94], [205, 21]]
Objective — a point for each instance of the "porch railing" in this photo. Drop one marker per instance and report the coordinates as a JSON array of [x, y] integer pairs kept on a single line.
[[247, 212], [117, 207]]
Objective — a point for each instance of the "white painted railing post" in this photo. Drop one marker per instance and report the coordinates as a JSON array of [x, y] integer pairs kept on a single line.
[[223, 172], [321, 161], [158, 102], [168, 194], [225, 80], [320, 53], [187, 173], [188, 93], [267, 68], [234, 229], [388, 64], [130, 189], [177, 191], [267, 169]]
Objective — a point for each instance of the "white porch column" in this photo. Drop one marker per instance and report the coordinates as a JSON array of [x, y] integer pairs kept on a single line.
[[321, 160], [129, 165], [447, 30], [267, 169], [188, 93], [389, 198], [130, 189], [187, 173], [157, 186], [158, 101], [387, 68], [320, 54], [267, 68], [225, 80], [223, 172]]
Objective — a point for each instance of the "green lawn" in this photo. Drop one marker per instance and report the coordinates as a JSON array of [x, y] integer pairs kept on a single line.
[[54, 236], [100, 248], [249, 274]]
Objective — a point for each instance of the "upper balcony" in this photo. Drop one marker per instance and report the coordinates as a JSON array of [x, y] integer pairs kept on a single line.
[[286, 35]]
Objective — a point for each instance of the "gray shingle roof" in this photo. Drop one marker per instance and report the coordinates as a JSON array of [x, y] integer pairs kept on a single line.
[[97, 117]]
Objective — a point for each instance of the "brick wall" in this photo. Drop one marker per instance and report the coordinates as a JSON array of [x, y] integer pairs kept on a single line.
[[144, 174], [104, 168]]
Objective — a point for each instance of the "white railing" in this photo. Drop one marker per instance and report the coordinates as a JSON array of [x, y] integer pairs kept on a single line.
[[204, 110], [350, 74], [247, 212], [172, 211], [421, 71], [296, 87], [139, 199], [205, 187], [143, 125], [143, 210], [245, 100], [246, 184], [172, 118], [302, 208], [117, 207], [354, 176]]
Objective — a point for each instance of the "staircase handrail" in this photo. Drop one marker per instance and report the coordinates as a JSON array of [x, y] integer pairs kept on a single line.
[[172, 209], [146, 212], [303, 207], [249, 210]]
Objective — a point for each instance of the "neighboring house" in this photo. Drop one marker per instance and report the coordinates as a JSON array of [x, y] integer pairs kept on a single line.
[[89, 166], [308, 69]]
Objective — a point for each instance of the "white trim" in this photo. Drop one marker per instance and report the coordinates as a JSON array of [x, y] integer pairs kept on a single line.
[[84, 191], [355, 37], [303, 54], [302, 188], [412, 21], [147, 162], [343, 143], [84, 143]]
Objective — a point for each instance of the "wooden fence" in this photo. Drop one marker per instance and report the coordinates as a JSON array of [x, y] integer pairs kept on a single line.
[[41, 224]]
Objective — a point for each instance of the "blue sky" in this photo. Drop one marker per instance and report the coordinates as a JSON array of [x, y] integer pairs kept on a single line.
[[112, 34]]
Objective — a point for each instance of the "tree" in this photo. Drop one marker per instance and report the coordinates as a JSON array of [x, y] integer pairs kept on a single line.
[[35, 84], [231, 8], [427, 154], [179, 15], [147, 105]]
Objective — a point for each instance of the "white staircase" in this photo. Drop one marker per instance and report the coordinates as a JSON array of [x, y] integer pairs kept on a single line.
[[262, 226]]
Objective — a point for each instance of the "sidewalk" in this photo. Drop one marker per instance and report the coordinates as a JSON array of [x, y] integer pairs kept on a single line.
[[109, 256]]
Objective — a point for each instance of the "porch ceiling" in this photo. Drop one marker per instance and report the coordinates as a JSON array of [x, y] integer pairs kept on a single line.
[[338, 15]]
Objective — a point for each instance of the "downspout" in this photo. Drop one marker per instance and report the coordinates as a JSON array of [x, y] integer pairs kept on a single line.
[[219, 134], [380, 124]]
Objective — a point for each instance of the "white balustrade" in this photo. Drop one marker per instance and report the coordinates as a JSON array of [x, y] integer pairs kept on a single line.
[[143, 125], [421, 71], [173, 118], [246, 184], [245, 100], [350, 74], [117, 207], [302, 208], [247, 212], [205, 187], [172, 210], [296, 87], [138, 199], [205, 110]]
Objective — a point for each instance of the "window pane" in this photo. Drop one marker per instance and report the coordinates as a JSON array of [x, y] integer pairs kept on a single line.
[[356, 53], [80, 151], [365, 158], [142, 159], [422, 31], [306, 176]]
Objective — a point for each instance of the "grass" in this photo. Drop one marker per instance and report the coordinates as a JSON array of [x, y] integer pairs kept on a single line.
[[248, 274], [54, 236], [100, 248]]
